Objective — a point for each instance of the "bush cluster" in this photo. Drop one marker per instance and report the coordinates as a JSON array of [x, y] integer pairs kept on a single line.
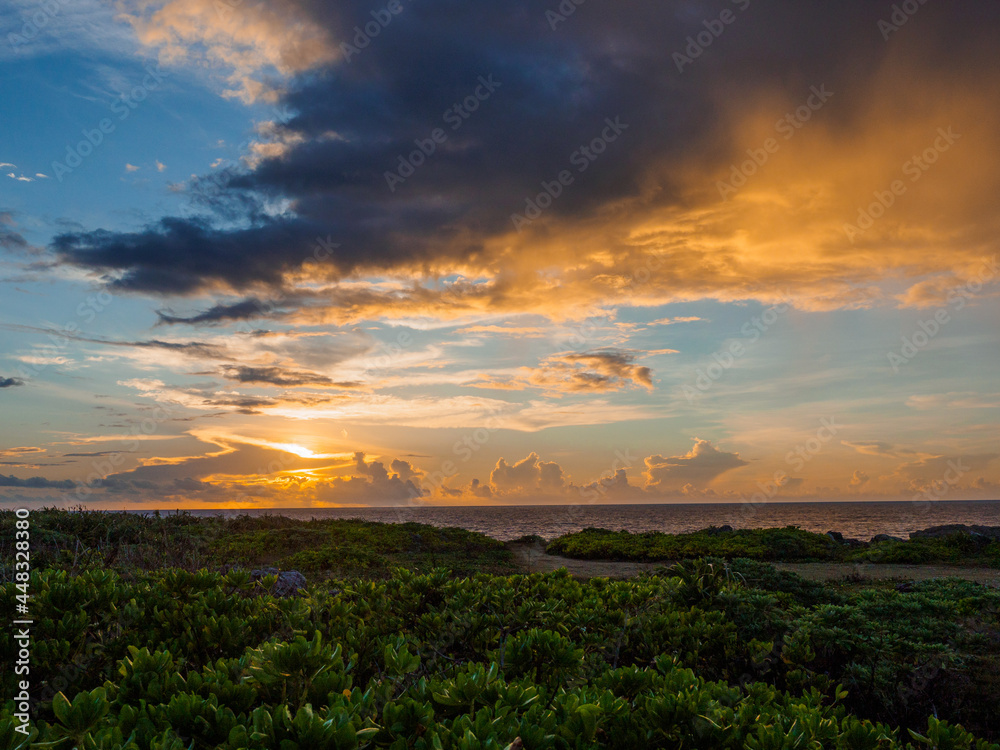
[[709, 655], [789, 544], [129, 542]]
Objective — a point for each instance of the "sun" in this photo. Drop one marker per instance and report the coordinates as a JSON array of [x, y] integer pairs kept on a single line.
[[298, 450]]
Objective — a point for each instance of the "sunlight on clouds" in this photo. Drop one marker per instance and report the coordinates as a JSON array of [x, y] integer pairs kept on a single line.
[[243, 39]]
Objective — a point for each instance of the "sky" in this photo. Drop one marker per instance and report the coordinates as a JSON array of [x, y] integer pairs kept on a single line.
[[425, 252]]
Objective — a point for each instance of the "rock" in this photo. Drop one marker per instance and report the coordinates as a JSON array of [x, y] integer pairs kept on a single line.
[[713, 530], [886, 538], [854, 542], [836, 536], [936, 532], [288, 584], [904, 588]]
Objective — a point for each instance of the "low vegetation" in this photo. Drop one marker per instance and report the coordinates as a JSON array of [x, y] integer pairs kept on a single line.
[[129, 542], [708, 653], [772, 545]]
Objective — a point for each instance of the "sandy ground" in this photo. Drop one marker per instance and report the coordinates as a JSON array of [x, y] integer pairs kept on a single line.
[[532, 558]]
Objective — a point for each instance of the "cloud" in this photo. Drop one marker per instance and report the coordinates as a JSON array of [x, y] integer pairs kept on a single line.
[[21, 450], [19, 453], [131, 168], [875, 448], [281, 377], [299, 405], [36, 483], [530, 473], [674, 321], [10, 382], [859, 479], [247, 42], [10, 239], [578, 372], [375, 486], [643, 225], [609, 368], [94, 454], [936, 470], [224, 313], [698, 467], [519, 331], [955, 400], [160, 166], [45, 360]]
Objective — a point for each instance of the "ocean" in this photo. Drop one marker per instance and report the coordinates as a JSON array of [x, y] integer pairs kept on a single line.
[[859, 520]]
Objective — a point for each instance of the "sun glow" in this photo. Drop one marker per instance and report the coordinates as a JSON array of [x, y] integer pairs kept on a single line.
[[298, 450]]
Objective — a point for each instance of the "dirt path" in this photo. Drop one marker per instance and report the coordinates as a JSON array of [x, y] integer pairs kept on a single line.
[[532, 558]]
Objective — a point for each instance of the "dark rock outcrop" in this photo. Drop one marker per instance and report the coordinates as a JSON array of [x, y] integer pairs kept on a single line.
[[288, 584], [714, 530], [846, 541], [983, 533]]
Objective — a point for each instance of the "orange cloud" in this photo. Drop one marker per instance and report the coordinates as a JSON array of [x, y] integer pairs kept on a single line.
[[579, 372], [245, 39]]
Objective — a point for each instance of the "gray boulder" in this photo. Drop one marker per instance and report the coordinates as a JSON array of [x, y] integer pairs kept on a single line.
[[846, 541], [716, 530], [288, 584]]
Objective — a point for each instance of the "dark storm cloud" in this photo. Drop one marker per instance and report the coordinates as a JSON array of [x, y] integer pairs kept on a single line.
[[246, 309], [95, 454], [10, 382], [36, 483], [554, 92], [280, 376]]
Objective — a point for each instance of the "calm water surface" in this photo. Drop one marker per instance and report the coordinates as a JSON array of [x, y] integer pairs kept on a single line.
[[858, 520]]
